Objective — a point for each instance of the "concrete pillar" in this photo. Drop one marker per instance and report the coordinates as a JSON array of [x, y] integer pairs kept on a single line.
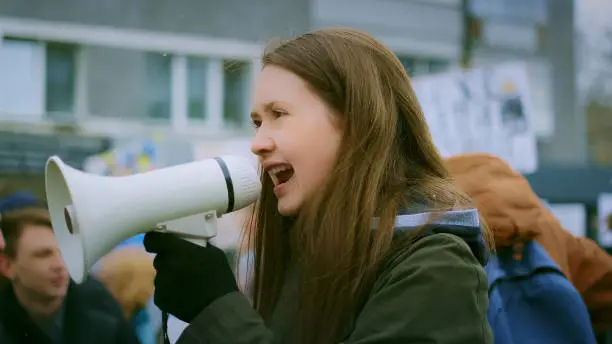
[[568, 145]]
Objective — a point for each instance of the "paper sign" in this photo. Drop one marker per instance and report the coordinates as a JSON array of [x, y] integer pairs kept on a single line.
[[483, 110], [604, 214]]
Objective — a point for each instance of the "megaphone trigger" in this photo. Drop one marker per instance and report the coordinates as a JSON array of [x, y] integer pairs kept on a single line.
[[197, 229]]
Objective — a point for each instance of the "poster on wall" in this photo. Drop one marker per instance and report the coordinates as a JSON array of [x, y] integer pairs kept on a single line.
[[136, 157], [139, 155], [604, 219], [483, 110]]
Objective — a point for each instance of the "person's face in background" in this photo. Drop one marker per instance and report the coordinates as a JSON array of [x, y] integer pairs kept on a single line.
[[38, 268], [2, 245], [297, 139], [2, 261]]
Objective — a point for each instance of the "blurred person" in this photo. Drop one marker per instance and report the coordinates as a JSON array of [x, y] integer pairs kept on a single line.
[[42, 305], [128, 273], [3, 280], [19, 200], [11, 202], [517, 216], [143, 321], [359, 234]]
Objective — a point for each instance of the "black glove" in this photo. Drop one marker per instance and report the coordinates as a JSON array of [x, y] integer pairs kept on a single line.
[[189, 277]]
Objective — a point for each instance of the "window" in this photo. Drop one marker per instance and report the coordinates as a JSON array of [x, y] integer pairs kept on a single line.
[[127, 84], [38, 78], [21, 75], [159, 93], [197, 73], [125, 81], [236, 85], [60, 79], [408, 63], [438, 66], [147, 86], [417, 66]]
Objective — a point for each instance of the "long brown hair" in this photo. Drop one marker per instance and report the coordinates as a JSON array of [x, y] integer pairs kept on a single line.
[[386, 160]]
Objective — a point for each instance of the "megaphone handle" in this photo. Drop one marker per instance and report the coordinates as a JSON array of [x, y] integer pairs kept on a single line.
[[197, 229], [197, 241]]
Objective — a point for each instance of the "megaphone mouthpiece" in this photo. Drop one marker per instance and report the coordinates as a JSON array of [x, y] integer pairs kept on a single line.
[[91, 214]]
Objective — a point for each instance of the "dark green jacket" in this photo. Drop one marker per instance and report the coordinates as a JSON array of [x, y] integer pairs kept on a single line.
[[434, 292]]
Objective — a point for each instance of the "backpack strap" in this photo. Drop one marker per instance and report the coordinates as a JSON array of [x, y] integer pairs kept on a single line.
[[505, 267]]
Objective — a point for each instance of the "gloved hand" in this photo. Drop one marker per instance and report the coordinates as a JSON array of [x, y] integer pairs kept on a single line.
[[189, 277]]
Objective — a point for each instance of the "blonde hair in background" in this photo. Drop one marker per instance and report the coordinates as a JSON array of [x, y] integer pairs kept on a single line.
[[128, 274]]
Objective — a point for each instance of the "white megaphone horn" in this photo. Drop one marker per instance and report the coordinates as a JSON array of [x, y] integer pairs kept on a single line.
[[92, 214]]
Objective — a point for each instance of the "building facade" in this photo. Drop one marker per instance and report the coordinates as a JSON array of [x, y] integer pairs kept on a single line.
[[185, 67], [182, 67]]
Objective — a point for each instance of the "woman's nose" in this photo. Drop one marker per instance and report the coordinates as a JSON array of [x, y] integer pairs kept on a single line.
[[262, 144]]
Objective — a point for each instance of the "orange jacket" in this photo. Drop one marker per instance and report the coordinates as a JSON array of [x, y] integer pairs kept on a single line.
[[516, 215]]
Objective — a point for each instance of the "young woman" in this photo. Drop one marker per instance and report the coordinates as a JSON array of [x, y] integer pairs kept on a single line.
[[359, 234]]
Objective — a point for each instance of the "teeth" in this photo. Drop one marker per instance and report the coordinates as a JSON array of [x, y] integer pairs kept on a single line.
[[274, 178], [273, 171]]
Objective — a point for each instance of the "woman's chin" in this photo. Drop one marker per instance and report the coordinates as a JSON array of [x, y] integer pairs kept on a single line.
[[287, 208]]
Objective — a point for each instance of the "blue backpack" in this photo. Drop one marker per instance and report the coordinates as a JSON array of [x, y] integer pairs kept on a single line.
[[532, 302]]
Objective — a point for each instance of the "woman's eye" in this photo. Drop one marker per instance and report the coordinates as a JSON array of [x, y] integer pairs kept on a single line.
[[256, 123], [274, 114], [278, 113]]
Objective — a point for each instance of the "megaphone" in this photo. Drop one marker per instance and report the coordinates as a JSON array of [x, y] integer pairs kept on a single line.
[[92, 214]]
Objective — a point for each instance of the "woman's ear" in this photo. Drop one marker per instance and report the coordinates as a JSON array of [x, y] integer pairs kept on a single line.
[[2, 265], [2, 242], [5, 266], [3, 257]]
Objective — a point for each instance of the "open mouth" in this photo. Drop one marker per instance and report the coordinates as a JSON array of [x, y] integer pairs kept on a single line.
[[281, 174]]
